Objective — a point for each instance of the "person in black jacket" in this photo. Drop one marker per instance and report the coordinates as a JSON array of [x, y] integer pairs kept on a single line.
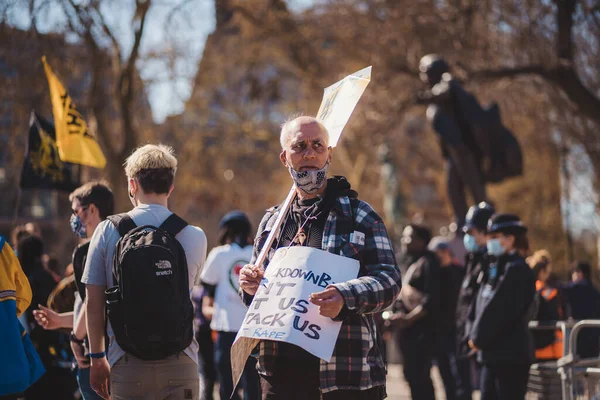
[[476, 266], [457, 384], [583, 302], [418, 310], [502, 311]]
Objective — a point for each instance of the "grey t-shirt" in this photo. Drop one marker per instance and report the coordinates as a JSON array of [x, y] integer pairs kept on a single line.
[[98, 266]]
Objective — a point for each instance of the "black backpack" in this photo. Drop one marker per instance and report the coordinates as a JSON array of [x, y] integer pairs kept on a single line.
[[150, 308]]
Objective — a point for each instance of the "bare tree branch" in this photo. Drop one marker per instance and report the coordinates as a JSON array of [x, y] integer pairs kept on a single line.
[[175, 10], [509, 72], [115, 43], [127, 77], [564, 36], [76, 9], [300, 50], [563, 74], [97, 96]]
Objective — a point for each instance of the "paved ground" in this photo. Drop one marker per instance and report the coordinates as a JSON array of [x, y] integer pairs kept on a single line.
[[397, 387]]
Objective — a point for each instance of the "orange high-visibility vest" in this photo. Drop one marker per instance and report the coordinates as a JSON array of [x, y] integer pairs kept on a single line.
[[553, 351]]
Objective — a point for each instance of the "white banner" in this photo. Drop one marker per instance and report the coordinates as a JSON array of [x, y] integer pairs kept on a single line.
[[339, 100], [281, 309]]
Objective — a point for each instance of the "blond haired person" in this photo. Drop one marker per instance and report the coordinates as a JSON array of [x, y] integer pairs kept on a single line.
[[150, 174]]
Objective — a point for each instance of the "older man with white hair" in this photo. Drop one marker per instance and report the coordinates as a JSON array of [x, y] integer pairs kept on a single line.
[[327, 215]]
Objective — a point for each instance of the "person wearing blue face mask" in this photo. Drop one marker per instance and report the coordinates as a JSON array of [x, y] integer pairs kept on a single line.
[[91, 203], [476, 265], [503, 308]]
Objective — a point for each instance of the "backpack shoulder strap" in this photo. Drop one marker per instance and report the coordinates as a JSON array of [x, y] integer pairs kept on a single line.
[[123, 222], [173, 224]]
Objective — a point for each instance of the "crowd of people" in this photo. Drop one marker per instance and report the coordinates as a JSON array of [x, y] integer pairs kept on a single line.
[[478, 315], [143, 312]]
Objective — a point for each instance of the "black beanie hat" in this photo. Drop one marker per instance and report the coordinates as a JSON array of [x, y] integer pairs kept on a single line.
[[506, 223]]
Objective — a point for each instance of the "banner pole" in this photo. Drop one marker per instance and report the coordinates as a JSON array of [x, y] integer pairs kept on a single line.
[[244, 347], [285, 207], [16, 213]]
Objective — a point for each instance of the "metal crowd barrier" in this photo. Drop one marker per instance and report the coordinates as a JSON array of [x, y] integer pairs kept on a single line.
[[570, 377], [544, 379]]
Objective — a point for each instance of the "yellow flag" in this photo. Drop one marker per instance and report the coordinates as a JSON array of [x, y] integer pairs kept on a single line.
[[75, 143]]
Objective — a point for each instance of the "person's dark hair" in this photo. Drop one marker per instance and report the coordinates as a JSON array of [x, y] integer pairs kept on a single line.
[[18, 233], [422, 232], [51, 262], [583, 267], [236, 228], [29, 251], [521, 242], [97, 193], [156, 180]]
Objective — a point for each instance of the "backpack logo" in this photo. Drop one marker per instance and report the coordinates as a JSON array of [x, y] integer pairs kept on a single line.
[[164, 267], [163, 264]]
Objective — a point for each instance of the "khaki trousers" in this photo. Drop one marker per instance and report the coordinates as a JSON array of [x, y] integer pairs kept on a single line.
[[174, 378]]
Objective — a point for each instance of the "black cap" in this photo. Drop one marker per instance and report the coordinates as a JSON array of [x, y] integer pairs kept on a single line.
[[234, 217], [506, 223], [478, 216]]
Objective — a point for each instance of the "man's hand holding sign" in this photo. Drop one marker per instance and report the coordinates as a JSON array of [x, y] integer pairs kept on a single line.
[[250, 277], [322, 265], [329, 301]]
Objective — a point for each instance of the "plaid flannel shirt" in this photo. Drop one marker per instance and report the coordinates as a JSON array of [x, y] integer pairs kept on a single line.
[[357, 361]]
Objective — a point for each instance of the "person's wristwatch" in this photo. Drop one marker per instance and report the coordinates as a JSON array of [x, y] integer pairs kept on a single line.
[[74, 338]]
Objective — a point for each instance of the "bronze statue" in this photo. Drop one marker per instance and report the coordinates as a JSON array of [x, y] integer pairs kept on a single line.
[[477, 147]]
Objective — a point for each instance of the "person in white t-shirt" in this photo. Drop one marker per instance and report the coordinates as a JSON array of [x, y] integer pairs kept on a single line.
[[223, 305], [150, 174]]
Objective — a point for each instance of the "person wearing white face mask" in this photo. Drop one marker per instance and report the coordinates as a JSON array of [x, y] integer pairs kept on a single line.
[[503, 308]]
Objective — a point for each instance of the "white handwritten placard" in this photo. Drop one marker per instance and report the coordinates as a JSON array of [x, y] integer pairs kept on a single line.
[[339, 100], [281, 309]]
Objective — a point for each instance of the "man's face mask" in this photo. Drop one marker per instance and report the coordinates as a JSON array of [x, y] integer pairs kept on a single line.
[[470, 243], [77, 226], [309, 181], [495, 248]]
